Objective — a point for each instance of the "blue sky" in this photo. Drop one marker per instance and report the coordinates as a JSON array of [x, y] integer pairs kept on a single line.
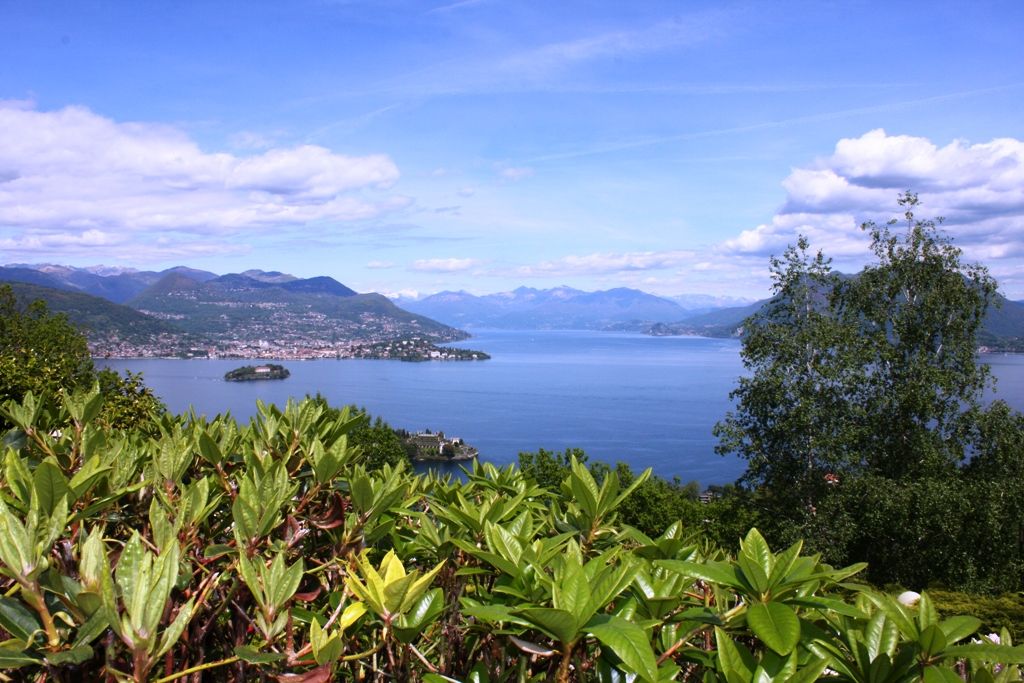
[[487, 144]]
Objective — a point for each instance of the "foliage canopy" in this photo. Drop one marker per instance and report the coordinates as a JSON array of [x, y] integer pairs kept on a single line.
[[862, 418]]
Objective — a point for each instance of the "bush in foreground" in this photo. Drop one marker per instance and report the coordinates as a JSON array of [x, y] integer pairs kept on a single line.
[[211, 549]]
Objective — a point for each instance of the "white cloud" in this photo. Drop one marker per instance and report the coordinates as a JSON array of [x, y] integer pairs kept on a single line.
[[445, 265], [978, 188], [598, 264], [380, 265], [248, 140], [685, 31], [406, 294], [516, 173], [72, 171]]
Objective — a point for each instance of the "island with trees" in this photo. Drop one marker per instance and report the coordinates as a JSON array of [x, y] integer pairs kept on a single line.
[[251, 373], [428, 446]]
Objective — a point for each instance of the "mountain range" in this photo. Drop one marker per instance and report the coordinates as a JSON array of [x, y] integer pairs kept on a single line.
[[1002, 330], [129, 312], [634, 310], [119, 285], [101, 320], [272, 306], [562, 308], [267, 307]]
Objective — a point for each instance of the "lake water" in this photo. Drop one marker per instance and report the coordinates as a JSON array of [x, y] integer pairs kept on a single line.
[[648, 401]]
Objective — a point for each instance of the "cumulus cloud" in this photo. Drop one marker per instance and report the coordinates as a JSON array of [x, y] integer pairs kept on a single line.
[[514, 173], [606, 263], [445, 265], [977, 187], [72, 173]]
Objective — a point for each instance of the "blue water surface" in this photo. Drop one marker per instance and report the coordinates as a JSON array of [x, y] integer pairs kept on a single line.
[[647, 401]]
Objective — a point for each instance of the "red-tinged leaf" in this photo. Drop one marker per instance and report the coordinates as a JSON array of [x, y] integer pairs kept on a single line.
[[309, 596], [321, 674], [532, 648]]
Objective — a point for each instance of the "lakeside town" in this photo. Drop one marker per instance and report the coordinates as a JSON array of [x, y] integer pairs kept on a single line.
[[412, 348]]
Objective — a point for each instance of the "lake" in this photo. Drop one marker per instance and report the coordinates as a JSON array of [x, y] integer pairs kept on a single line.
[[648, 401]]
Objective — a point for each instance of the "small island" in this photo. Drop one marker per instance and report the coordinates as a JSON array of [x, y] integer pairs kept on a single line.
[[249, 373]]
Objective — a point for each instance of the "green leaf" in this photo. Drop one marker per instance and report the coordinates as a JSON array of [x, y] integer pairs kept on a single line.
[[926, 613], [756, 548], [18, 476], [572, 593], [50, 486], [15, 659], [775, 624], [720, 573], [129, 567], [735, 661], [634, 485], [93, 404], [932, 640], [253, 656], [75, 655], [283, 590], [756, 577], [362, 492], [209, 449], [438, 678], [557, 623], [940, 674], [16, 548], [493, 613], [583, 488], [880, 635], [93, 628], [173, 632], [90, 473], [628, 641], [809, 672], [908, 629], [611, 582], [326, 650], [216, 550], [17, 620], [502, 542], [247, 518], [783, 562], [987, 652], [959, 627], [423, 612]]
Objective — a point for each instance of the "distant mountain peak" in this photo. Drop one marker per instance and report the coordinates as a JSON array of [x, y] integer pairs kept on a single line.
[[561, 307], [319, 285]]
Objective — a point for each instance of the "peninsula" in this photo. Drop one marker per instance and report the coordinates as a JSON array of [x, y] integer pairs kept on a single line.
[[414, 349]]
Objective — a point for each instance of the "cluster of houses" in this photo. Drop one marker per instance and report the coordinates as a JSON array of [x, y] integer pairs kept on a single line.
[[435, 446]]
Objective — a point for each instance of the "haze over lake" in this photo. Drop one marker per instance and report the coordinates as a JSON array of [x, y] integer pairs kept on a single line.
[[648, 401]]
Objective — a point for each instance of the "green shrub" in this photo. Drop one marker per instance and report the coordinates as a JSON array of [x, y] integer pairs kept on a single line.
[[271, 551], [995, 611]]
